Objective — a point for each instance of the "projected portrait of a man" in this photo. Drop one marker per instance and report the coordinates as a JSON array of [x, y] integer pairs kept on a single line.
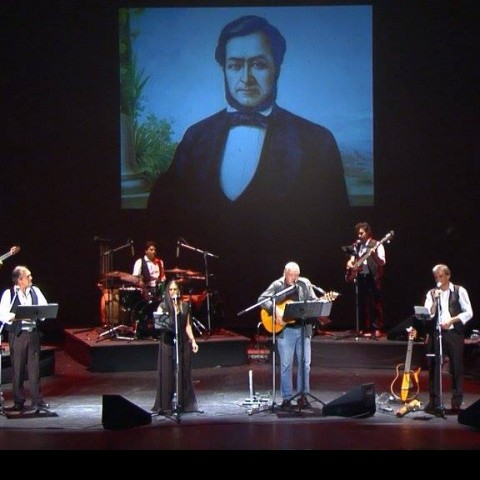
[[253, 152]]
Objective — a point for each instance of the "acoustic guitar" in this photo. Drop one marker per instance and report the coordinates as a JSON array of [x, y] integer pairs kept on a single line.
[[267, 319], [352, 272], [13, 251], [405, 385]]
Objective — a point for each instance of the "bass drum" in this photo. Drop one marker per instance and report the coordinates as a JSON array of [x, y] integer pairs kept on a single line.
[[143, 315], [109, 307]]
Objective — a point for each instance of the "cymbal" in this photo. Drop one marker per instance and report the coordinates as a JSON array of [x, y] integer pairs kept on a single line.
[[116, 273], [176, 270]]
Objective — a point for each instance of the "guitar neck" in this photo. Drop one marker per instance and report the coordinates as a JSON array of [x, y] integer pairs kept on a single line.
[[388, 236], [408, 359], [5, 256], [362, 258]]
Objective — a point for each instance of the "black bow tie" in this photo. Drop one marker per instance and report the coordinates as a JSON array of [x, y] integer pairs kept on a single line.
[[254, 119]]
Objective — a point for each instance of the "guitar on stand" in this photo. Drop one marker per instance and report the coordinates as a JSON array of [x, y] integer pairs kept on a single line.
[[267, 319], [405, 385]]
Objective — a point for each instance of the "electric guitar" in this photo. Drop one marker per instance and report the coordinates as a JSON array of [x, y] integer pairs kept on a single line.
[[408, 381], [13, 251], [267, 319], [352, 272]]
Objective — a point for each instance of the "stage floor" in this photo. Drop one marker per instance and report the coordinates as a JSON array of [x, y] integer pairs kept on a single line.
[[227, 422]]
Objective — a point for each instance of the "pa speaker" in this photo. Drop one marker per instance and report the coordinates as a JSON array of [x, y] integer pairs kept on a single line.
[[359, 402], [471, 415], [118, 413]]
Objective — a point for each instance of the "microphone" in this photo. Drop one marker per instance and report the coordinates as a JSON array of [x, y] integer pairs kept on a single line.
[[318, 289], [439, 284], [178, 248], [132, 248]]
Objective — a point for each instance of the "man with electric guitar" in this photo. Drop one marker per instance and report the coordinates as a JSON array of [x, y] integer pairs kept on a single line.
[[365, 267], [289, 339]]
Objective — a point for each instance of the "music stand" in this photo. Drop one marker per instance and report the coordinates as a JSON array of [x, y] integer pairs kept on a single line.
[[35, 312], [303, 311]]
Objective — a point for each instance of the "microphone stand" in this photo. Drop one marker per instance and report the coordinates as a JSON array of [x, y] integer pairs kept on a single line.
[[353, 251], [205, 256], [273, 298], [177, 401], [438, 355]]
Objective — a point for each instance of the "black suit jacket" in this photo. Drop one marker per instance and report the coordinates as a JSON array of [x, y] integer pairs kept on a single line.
[[293, 209], [300, 163]]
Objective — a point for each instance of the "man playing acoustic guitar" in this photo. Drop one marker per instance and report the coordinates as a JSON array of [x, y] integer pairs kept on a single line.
[[290, 337]]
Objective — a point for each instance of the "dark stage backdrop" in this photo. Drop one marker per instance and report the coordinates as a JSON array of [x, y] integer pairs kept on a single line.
[[61, 179]]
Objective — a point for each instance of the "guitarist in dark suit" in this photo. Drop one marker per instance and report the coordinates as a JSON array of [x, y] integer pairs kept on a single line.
[[289, 340], [369, 276]]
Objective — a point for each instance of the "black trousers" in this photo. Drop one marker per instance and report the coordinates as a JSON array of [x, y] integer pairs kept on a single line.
[[25, 357], [452, 347], [370, 302]]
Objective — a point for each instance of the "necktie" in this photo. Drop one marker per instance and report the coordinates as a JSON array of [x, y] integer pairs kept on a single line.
[[253, 119]]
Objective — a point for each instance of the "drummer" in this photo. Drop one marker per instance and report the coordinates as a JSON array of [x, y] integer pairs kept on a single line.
[[150, 271]]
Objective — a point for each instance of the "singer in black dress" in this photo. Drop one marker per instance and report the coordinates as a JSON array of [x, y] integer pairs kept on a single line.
[[172, 316]]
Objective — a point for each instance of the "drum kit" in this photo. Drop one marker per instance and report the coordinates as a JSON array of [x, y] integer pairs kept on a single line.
[[128, 307]]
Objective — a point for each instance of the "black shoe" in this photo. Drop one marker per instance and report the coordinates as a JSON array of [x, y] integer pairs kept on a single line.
[[18, 407], [434, 410], [303, 402], [455, 410], [40, 405], [286, 404]]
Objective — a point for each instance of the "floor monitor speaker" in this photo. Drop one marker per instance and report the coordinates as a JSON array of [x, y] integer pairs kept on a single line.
[[118, 413], [358, 402], [471, 415]]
